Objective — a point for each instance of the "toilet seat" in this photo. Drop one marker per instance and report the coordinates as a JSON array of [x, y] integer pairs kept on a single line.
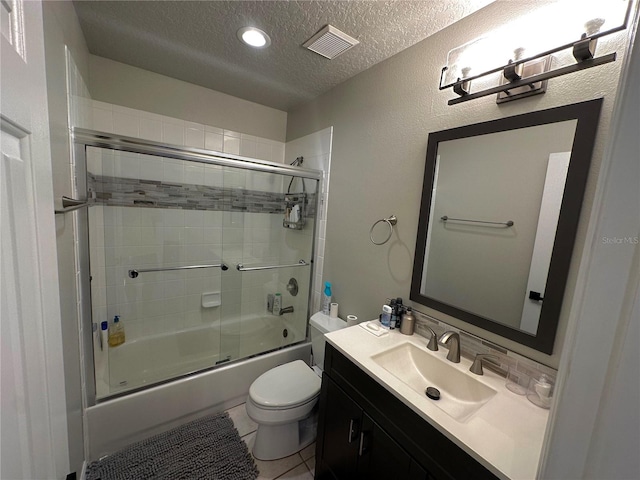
[[285, 386]]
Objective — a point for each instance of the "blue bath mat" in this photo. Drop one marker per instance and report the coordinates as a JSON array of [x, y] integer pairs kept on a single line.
[[205, 449]]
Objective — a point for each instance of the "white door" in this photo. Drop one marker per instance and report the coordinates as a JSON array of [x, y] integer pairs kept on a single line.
[[32, 410]]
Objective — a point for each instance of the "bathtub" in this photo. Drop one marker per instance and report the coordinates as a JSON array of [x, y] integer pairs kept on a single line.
[[115, 423], [156, 358]]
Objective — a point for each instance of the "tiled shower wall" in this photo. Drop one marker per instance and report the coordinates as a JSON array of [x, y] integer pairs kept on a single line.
[[316, 151], [129, 122]]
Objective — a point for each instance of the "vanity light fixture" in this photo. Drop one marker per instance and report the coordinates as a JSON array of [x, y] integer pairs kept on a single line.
[[527, 70], [254, 37]]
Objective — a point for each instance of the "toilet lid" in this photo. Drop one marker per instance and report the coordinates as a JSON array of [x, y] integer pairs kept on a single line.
[[285, 386]]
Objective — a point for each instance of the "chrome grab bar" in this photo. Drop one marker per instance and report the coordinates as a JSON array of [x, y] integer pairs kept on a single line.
[[508, 223], [70, 204], [242, 268], [134, 273]]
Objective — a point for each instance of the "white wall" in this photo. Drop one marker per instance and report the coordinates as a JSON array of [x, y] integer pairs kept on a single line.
[[128, 86]]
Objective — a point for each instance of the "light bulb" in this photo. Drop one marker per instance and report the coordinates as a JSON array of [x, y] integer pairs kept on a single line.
[[593, 26], [254, 37]]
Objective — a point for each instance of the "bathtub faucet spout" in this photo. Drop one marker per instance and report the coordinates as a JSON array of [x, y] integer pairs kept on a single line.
[[286, 310]]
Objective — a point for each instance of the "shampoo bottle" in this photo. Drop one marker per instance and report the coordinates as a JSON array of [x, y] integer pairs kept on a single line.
[[326, 298], [116, 332]]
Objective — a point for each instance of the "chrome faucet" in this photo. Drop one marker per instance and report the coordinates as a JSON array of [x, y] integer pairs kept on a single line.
[[454, 347], [286, 310], [433, 341], [477, 363]]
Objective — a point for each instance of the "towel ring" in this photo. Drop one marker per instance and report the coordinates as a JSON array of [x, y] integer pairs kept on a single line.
[[391, 221]]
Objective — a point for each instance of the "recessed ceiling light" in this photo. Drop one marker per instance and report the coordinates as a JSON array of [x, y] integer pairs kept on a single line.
[[254, 37]]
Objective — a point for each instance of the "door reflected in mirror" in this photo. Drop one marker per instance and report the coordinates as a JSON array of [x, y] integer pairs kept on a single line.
[[500, 207]]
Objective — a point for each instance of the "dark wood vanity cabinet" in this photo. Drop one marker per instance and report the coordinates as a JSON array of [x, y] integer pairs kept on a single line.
[[364, 432], [354, 445]]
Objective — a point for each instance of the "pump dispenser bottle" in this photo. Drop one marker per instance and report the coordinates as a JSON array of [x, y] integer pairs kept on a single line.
[[407, 326]]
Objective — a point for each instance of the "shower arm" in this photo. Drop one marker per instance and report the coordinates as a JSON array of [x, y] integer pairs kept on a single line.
[[296, 163]]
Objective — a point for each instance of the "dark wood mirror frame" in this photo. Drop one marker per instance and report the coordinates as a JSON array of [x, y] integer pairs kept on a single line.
[[587, 115]]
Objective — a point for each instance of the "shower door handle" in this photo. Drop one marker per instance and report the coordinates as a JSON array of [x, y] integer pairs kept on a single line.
[[242, 268], [133, 273]]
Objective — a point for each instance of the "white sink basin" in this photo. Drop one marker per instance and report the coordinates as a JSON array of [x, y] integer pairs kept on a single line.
[[460, 394]]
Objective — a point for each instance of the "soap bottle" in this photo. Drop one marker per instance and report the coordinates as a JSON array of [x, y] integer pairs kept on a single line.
[[116, 332], [326, 298], [407, 326]]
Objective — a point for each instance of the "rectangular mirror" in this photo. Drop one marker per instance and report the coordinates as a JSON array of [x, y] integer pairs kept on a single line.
[[500, 207]]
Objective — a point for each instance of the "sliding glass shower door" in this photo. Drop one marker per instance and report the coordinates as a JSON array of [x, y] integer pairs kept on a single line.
[[189, 257]]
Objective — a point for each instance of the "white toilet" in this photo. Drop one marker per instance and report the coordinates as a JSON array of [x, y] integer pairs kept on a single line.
[[282, 401]]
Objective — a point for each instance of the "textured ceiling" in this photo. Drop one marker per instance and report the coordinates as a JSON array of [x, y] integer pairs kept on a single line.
[[196, 41]]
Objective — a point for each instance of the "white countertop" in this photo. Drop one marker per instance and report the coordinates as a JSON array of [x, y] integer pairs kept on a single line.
[[505, 434]]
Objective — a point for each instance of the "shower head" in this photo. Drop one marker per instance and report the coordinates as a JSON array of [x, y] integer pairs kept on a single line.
[[297, 162]]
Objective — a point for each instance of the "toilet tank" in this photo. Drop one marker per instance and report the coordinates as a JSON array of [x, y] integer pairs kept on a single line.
[[318, 326]]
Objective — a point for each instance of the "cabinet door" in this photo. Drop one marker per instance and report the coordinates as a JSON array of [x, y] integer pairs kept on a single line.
[[341, 432], [380, 457]]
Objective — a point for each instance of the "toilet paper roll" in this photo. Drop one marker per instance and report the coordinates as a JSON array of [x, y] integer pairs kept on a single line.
[[333, 310], [352, 320]]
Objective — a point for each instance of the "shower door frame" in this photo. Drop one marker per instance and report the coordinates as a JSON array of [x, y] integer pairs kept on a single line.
[[81, 139]]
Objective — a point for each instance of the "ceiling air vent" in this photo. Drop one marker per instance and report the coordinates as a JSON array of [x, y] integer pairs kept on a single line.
[[330, 42]]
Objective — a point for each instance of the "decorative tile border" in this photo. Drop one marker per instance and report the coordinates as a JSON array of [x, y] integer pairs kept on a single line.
[[470, 346], [132, 192]]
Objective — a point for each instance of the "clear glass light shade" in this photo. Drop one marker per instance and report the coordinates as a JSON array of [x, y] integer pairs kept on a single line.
[[548, 27]]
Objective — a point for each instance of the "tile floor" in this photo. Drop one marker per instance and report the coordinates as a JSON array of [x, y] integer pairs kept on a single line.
[[299, 466]]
